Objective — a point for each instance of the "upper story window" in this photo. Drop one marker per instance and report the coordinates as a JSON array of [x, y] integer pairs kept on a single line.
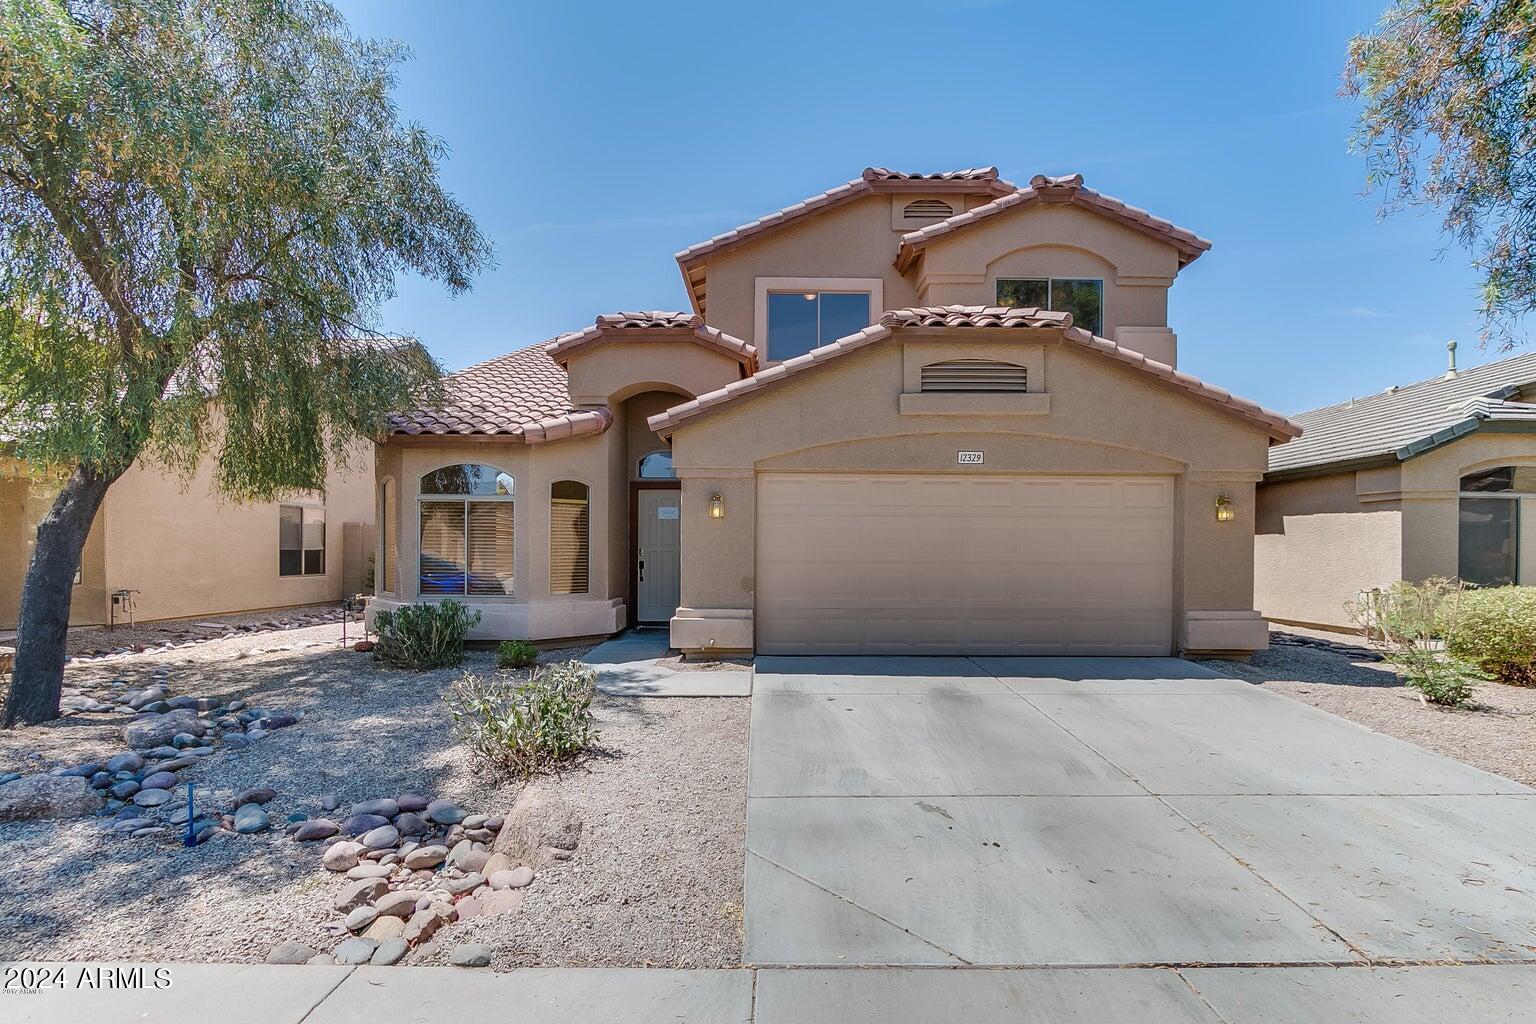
[[1496, 539], [801, 321], [656, 466], [466, 530], [1082, 297]]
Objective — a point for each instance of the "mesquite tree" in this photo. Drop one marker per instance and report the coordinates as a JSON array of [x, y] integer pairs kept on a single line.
[[1449, 120], [202, 205]]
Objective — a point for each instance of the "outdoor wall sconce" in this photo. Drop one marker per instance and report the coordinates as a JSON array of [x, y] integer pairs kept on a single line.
[[716, 506], [1225, 513]]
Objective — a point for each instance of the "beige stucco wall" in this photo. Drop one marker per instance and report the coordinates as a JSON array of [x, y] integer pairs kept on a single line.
[[1102, 418], [1430, 487], [1318, 545], [190, 551], [608, 373], [24, 500]]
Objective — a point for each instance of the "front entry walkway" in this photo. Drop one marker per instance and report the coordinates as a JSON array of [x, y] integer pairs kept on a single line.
[[632, 665], [1111, 812]]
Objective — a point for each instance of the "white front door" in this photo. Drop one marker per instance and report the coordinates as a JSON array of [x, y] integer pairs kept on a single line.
[[658, 565], [899, 564]]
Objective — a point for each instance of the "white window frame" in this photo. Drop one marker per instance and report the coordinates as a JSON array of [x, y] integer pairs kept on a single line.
[[325, 554], [422, 496], [765, 286]]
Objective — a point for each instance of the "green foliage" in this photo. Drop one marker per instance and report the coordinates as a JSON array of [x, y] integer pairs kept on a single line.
[[1495, 629], [1405, 621], [202, 205], [516, 654], [1449, 120], [423, 636], [526, 727]]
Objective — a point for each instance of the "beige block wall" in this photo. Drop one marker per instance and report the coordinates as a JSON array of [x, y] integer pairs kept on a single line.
[[1318, 545], [190, 551], [1102, 419]]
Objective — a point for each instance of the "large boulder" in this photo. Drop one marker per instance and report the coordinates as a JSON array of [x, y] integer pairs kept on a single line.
[[157, 730], [541, 827], [48, 796]]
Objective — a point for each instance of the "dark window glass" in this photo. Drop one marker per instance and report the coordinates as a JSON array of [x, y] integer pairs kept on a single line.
[[290, 540], [467, 478], [1519, 479], [791, 324], [1024, 293], [1084, 299], [657, 466], [1489, 533]]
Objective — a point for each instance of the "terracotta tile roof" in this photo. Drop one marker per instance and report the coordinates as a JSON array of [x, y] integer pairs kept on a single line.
[[662, 324], [525, 395], [873, 179], [522, 396], [1402, 422], [1060, 189], [973, 318]]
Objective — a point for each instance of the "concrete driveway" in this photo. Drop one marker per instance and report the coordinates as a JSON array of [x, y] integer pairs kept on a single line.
[[1105, 812]]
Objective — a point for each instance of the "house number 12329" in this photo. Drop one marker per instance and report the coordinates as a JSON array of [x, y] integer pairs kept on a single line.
[[970, 458]]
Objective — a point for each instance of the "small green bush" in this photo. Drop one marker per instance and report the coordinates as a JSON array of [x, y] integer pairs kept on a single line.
[[1495, 629], [526, 727], [1406, 621], [516, 654], [423, 636]]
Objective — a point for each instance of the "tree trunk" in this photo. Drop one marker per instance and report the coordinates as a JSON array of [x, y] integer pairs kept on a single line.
[[38, 674]]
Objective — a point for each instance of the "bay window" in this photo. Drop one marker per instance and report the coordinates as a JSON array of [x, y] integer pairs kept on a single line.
[[466, 516]]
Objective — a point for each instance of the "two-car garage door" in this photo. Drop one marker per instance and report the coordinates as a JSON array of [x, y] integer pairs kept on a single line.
[[905, 564]]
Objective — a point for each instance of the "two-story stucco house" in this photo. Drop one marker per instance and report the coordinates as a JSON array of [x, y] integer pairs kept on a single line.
[[915, 414]]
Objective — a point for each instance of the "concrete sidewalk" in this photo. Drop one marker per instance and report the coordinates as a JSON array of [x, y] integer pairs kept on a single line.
[[260, 994], [628, 666]]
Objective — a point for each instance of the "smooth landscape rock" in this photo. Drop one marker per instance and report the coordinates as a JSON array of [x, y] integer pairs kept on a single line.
[[400, 904], [153, 797], [423, 924], [370, 870], [381, 838], [542, 827], [426, 857], [259, 795], [412, 802], [360, 918], [471, 954], [355, 894], [342, 856], [125, 789], [290, 952], [356, 950], [467, 909], [160, 780], [329, 803], [48, 796], [128, 761], [385, 928], [357, 824], [385, 808], [445, 812], [390, 952], [409, 823], [469, 883], [156, 730], [251, 818], [317, 828], [475, 821]]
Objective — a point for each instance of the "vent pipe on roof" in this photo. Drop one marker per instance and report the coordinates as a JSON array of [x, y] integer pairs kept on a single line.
[[1450, 348]]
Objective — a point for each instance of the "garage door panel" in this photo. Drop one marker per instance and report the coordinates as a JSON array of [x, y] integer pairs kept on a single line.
[[971, 565]]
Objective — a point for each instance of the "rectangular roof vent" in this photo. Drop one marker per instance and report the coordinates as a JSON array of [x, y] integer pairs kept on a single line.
[[984, 375]]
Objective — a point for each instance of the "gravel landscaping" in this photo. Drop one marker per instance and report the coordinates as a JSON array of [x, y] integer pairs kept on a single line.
[[656, 879], [1497, 733]]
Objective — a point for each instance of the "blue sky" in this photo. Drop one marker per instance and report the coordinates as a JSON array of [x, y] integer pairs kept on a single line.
[[592, 141]]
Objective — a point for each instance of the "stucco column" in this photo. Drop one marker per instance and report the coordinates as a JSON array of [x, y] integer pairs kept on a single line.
[[718, 562], [1218, 566]]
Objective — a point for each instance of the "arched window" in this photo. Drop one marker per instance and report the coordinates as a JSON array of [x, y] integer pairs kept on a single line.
[[656, 466], [570, 530], [466, 530], [1497, 528], [384, 571]]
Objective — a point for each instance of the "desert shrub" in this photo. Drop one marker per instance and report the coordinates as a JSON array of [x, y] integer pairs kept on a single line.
[[524, 727], [1406, 622], [423, 636], [516, 654], [1495, 629]]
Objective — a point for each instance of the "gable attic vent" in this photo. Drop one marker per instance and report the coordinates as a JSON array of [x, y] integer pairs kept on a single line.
[[974, 375], [927, 209]]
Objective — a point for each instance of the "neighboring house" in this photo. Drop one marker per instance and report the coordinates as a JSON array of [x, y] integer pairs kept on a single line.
[[175, 549], [871, 434], [1433, 479]]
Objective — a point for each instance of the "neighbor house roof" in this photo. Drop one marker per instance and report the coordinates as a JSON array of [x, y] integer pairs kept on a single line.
[[519, 396], [1060, 189], [662, 325], [974, 318], [1402, 422], [970, 180]]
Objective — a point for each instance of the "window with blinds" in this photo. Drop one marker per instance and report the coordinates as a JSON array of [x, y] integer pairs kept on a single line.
[[569, 537], [300, 541], [974, 375], [389, 543], [467, 543]]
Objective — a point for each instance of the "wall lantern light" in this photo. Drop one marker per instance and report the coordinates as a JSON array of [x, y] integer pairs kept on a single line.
[[716, 506], [1225, 513]]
